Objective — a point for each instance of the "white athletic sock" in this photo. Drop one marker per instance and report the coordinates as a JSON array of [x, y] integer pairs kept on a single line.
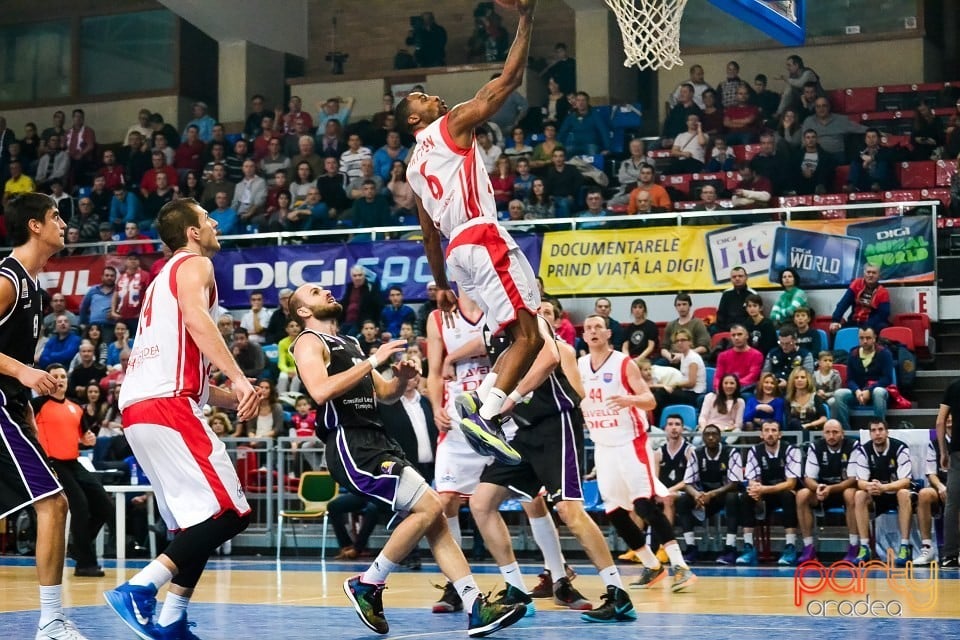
[[790, 538], [611, 577], [493, 404], [51, 603], [153, 575], [173, 608], [690, 538], [854, 539], [731, 540], [454, 525], [647, 558], [484, 389], [807, 541], [468, 590], [673, 552], [748, 538], [379, 570], [904, 541], [546, 536], [512, 576]]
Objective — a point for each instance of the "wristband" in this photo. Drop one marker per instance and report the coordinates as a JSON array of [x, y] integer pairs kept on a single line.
[[516, 396], [374, 363]]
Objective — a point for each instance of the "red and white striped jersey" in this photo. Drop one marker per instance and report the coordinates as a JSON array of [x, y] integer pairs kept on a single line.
[[469, 372], [609, 426], [165, 362], [451, 181]]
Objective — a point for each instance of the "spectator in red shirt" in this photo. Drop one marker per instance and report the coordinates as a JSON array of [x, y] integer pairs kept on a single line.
[[131, 231], [741, 360], [742, 120], [128, 294], [111, 172], [149, 182], [80, 143], [189, 155]]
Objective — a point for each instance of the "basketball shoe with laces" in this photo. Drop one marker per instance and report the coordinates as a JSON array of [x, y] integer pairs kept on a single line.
[[450, 601], [565, 595], [511, 595], [136, 606], [489, 617], [367, 600], [484, 436], [59, 629], [616, 607]]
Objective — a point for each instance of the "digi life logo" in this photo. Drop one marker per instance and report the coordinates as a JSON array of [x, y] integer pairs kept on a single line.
[[749, 247], [893, 592]]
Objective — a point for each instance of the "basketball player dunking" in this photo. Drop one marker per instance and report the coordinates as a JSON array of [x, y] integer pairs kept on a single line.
[[455, 199], [166, 385]]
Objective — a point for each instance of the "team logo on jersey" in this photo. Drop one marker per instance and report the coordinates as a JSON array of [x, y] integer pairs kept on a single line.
[[608, 377], [387, 467], [24, 289]]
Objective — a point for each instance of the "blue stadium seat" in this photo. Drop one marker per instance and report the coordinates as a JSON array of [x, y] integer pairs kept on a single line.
[[824, 342], [685, 411], [846, 339], [272, 353], [591, 496], [711, 371]]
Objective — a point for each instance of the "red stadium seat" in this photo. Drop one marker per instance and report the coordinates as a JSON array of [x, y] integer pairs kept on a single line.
[[865, 196], [903, 335], [831, 199], [796, 201], [842, 370], [716, 338], [917, 175], [750, 150], [838, 100], [840, 177], [945, 171], [899, 196], [937, 193], [919, 324], [860, 99], [707, 314], [679, 181]]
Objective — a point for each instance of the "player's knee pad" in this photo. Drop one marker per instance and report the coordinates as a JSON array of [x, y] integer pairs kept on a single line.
[[627, 529], [199, 541], [654, 518], [410, 489]]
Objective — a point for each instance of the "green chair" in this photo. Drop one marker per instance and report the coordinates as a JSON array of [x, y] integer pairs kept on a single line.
[[316, 489]]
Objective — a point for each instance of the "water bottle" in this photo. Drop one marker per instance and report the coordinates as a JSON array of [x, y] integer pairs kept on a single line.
[[134, 473]]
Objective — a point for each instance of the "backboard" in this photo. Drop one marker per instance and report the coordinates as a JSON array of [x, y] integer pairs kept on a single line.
[[783, 20]]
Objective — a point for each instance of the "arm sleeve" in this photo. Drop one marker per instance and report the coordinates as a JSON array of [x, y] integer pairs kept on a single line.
[[845, 302]]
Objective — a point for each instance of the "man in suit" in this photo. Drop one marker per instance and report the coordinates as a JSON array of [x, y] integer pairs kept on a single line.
[[415, 431]]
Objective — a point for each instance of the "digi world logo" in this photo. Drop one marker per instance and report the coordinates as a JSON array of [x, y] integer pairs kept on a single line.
[[872, 589]]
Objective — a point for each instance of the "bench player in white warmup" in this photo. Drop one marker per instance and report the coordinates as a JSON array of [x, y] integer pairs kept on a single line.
[[617, 398], [455, 198], [165, 388]]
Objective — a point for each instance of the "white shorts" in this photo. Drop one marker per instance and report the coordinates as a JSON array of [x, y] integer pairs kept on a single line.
[[457, 467], [626, 473], [192, 476], [489, 267]]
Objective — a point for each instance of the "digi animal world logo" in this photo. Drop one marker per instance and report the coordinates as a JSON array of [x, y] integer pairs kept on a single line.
[[872, 589]]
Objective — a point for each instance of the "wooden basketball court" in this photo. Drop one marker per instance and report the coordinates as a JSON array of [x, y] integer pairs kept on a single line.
[[250, 598]]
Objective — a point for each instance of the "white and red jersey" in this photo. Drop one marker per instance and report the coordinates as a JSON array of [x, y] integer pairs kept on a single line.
[[165, 362], [609, 426], [130, 288], [451, 181], [470, 372]]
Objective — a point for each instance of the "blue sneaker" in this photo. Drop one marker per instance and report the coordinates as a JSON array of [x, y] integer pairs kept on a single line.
[[863, 555], [367, 600], [179, 630], [789, 556], [467, 404], [616, 607], [511, 595], [748, 557], [136, 606], [489, 617]]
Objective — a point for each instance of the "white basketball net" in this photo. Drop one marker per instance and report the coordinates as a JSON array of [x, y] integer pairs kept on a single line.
[[651, 31]]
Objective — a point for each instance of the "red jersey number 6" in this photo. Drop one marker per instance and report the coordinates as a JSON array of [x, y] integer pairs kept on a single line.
[[433, 183]]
